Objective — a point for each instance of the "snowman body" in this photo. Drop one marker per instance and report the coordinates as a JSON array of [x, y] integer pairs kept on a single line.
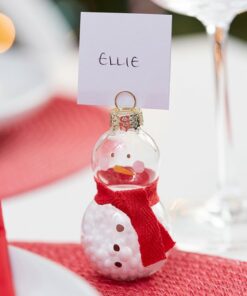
[[124, 228], [111, 242]]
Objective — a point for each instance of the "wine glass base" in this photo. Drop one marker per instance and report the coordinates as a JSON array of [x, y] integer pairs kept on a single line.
[[209, 228]]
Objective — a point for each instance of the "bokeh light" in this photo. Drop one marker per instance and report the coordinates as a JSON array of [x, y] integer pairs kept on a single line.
[[7, 33]]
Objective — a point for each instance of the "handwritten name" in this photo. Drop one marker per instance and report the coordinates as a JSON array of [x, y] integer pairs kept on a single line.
[[108, 60]]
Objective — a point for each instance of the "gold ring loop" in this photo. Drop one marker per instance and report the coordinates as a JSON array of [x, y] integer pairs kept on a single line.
[[128, 92]]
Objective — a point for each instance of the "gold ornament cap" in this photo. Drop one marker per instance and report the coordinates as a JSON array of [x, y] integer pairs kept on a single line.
[[125, 118]]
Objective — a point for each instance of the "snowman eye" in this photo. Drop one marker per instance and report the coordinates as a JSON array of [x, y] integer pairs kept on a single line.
[[128, 155], [112, 154]]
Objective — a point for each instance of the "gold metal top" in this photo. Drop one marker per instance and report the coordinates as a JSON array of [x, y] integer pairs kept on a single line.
[[125, 118]]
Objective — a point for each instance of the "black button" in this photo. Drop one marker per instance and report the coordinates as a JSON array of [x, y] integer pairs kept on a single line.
[[120, 227], [118, 264], [116, 248]]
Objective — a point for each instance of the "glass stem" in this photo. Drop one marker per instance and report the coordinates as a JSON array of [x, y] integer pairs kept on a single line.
[[226, 171]]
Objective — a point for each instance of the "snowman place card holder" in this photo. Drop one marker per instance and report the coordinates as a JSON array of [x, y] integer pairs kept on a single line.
[[125, 233]]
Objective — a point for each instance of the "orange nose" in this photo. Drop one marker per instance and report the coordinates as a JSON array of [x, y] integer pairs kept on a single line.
[[122, 170]]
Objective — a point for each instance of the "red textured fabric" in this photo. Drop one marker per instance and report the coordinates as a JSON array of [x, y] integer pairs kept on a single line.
[[6, 283], [184, 274], [55, 142], [154, 239]]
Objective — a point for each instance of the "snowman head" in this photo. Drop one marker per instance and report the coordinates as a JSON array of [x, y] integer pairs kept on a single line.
[[126, 157]]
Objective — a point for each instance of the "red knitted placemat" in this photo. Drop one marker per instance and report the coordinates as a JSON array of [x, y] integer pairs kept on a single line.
[[54, 142], [185, 274]]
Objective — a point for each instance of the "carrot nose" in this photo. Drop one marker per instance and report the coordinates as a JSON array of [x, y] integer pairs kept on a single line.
[[123, 170]]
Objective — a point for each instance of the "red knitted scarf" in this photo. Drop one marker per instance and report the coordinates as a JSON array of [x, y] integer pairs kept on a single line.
[[154, 239]]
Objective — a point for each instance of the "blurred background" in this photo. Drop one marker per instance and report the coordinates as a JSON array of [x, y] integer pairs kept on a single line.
[[181, 24], [45, 143]]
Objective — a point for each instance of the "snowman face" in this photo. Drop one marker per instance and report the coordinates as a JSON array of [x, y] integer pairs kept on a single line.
[[121, 161], [126, 153]]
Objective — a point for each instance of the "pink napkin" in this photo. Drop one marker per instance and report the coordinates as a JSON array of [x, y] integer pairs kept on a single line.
[[53, 143], [6, 284]]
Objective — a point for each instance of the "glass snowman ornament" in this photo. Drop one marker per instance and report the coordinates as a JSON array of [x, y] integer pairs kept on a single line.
[[124, 229]]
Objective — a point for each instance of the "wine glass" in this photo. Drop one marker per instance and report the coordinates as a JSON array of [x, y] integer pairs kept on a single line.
[[221, 222]]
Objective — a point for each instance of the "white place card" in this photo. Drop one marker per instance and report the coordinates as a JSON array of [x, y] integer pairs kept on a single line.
[[125, 52]]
